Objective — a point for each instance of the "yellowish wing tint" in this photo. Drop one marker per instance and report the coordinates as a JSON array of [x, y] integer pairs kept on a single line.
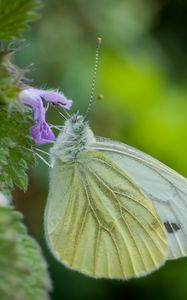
[[98, 222], [165, 188]]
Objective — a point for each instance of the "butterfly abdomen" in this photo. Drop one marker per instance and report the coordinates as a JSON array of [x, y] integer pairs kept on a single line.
[[74, 139]]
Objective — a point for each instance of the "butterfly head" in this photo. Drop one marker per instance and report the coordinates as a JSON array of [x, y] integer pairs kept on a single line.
[[77, 123], [73, 139]]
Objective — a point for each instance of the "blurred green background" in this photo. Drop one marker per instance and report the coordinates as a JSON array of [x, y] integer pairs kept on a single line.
[[142, 75]]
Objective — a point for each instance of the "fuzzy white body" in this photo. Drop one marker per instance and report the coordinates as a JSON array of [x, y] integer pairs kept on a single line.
[[75, 138]]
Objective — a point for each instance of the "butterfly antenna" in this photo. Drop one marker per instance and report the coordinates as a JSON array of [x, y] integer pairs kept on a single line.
[[98, 44]]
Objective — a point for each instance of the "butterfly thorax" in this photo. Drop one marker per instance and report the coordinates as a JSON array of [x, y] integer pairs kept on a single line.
[[74, 139]]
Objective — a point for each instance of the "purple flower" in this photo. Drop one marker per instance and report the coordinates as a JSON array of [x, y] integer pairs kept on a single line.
[[40, 131], [51, 96]]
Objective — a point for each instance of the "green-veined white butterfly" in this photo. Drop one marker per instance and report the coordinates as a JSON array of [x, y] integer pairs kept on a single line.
[[112, 211]]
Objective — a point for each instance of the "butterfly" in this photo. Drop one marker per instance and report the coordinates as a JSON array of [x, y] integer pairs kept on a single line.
[[112, 211]]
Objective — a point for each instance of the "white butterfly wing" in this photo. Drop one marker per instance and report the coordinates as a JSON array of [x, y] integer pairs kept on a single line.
[[165, 187], [97, 220]]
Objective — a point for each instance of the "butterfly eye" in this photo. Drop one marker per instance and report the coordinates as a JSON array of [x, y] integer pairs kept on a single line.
[[77, 127]]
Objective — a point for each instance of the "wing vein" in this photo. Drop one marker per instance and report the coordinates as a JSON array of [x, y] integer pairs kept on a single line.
[[119, 172], [122, 216], [114, 222]]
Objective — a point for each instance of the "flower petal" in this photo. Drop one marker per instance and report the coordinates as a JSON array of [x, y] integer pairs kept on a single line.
[[35, 102], [42, 133], [51, 96], [56, 98]]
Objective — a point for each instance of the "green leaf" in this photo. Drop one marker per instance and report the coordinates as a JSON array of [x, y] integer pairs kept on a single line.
[[23, 271], [15, 149], [12, 78], [15, 16], [15, 142]]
